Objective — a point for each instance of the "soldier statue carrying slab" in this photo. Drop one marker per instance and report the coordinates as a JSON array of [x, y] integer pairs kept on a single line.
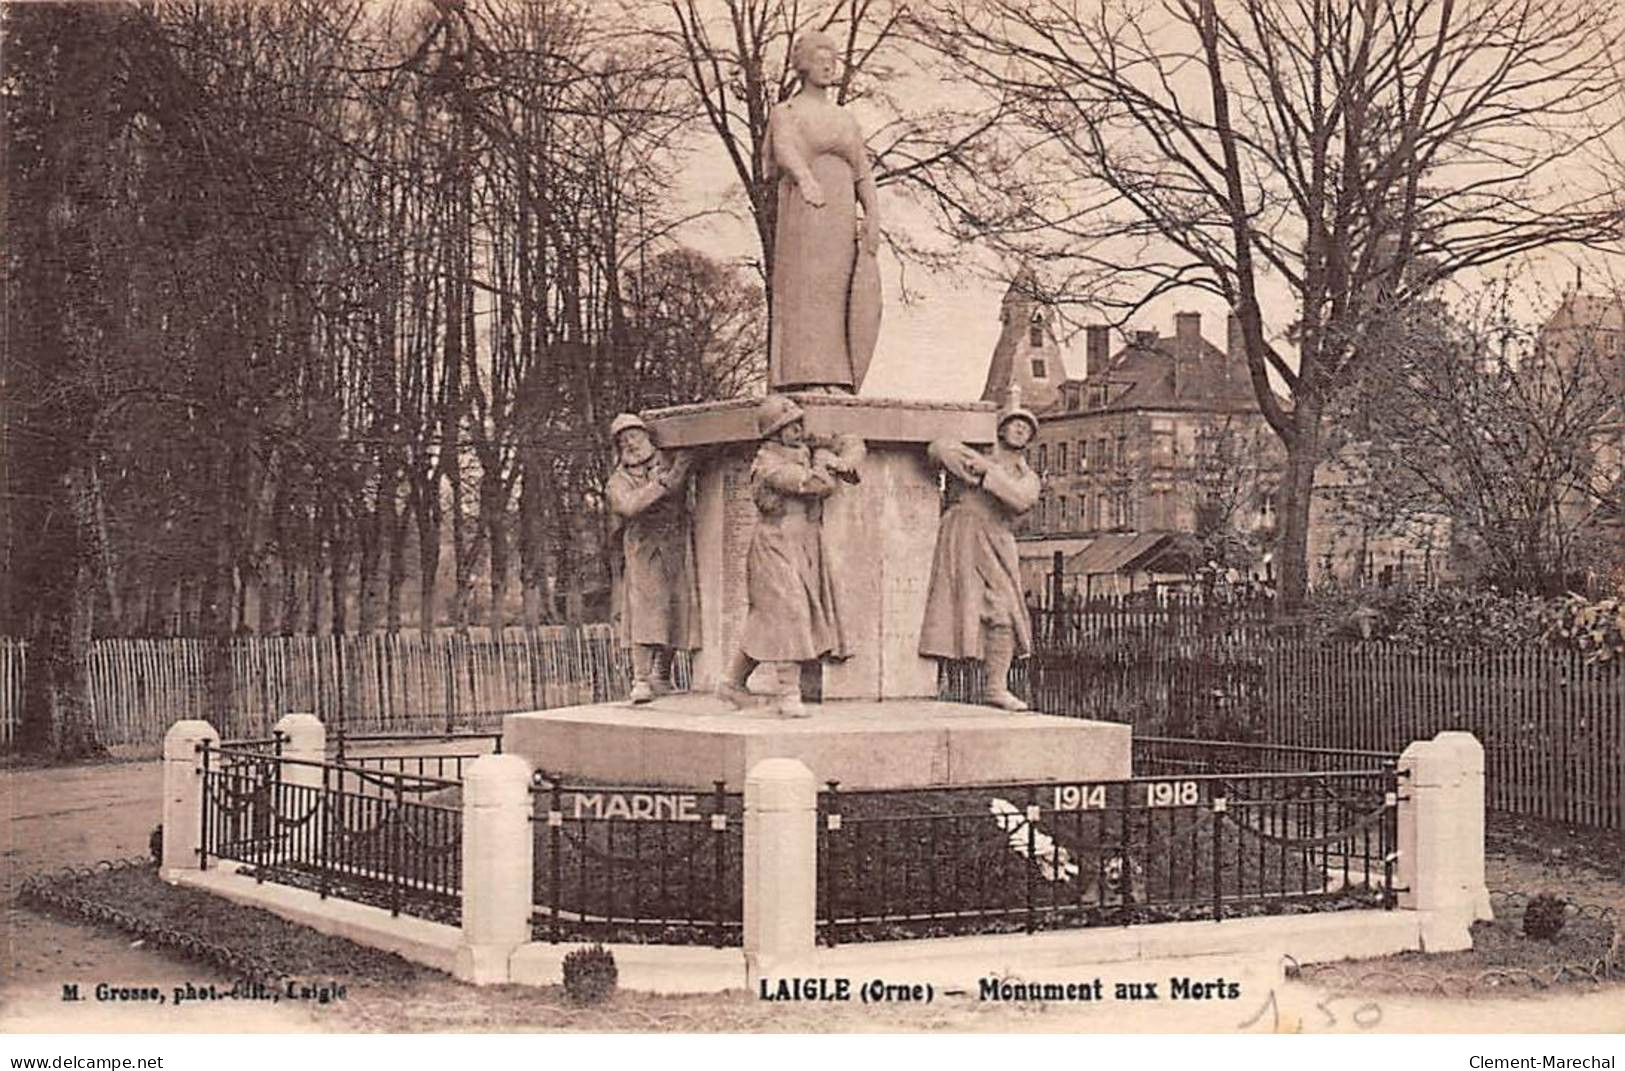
[[659, 598]]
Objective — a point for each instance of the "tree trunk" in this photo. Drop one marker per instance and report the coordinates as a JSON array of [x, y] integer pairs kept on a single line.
[[397, 570], [57, 720], [371, 532], [428, 568], [1297, 494]]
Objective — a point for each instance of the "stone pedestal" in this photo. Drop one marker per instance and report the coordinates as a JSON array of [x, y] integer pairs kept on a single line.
[[692, 741], [880, 533]]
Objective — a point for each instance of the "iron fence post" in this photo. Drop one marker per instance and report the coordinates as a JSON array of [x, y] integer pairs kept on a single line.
[[1220, 807], [396, 842], [203, 837], [555, 828], [720, 841], [1125, 850], [1032, 848], [324, 833], [829, 860], [1388, 841], [261, 817]]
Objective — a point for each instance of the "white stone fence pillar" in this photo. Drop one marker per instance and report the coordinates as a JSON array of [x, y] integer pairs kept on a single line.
[[304, 739], [183, 796], [780, 868], [498, 867], [1441, 838]]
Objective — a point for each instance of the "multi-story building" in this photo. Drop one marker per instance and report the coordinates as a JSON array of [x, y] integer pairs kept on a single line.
[[1153, 460]]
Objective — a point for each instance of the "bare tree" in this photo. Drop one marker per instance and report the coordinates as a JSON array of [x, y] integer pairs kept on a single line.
[[1350, 153], [1498, 426]]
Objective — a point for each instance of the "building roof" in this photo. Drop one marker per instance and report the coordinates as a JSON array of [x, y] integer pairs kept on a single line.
[[1021, 301], [1141, 552], [1580, 310], [1151, 376]]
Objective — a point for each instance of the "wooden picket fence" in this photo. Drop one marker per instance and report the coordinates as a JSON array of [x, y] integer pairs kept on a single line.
[[366, 682], [1552, 724]]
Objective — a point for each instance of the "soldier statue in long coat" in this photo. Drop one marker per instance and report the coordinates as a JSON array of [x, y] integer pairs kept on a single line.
[[659, 597], [975, 607], [792, 617]]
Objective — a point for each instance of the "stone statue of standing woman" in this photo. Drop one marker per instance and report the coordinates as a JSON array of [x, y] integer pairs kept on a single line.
[[826, 283]]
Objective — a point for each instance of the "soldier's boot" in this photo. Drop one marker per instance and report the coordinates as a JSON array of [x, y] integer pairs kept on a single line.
[[731, 689], [998, 649], [660, 674], [642, 667], [789, 689]]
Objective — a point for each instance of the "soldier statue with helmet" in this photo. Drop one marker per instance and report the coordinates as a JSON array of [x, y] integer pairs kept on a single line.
[[658, 598], [975, 607], [792, 617]]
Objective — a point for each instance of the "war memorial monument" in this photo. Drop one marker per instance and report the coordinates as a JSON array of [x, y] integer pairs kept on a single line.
[[826, 573], [817, 554]]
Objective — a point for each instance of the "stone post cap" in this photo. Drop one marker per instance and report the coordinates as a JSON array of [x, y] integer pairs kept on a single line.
[[1432, 763], [297, 727], [780, 785], [496, 781], [182, 739], [1465, 746]]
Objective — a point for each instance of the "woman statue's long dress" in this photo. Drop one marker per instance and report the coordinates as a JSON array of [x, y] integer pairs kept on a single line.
[[826, 285]]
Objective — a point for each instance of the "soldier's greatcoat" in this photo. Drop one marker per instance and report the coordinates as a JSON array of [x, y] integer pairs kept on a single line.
[[792, 616], [659, 598], [975, 574]]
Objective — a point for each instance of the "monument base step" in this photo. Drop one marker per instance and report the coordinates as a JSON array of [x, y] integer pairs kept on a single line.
[[694, 740]]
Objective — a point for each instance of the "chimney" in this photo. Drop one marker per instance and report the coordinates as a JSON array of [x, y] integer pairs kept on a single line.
[[1235, 344], [1097, 349], [1188, 336]]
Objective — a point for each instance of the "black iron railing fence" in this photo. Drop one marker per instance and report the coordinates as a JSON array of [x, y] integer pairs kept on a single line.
[[390, 839], [1205, 830], [447, 765], [1029, 856], [1165, 755], [652, 865]]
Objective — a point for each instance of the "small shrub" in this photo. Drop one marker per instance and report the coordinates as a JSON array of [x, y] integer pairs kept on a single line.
[[1596, 629], [1544, 917], [589, 974]]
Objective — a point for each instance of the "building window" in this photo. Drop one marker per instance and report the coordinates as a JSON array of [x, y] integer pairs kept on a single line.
[[1097, 396], [1043, 459], [1060, 457], [1083, 455], [1039, 371], [1094, 513], [1122, 450], [1103, 453], [1035, 335]]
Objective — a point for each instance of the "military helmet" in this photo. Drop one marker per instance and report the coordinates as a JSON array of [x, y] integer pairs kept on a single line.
[[1018, 413], [625, 422], [776, 412]]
